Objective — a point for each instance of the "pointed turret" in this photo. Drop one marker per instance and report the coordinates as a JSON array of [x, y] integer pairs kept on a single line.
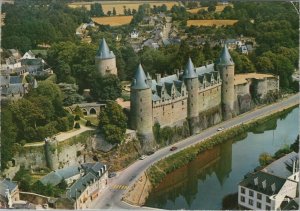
[[103, 51], [105, 60], [189, 71], [225, 58], [140, 79]]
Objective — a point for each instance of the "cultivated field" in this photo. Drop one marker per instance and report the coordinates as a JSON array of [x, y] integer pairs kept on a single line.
[[219, 8], [211, 22], [113, 20], [119, 5]]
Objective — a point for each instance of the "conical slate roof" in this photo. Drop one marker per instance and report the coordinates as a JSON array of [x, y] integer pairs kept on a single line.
[[225, 58], [189, 71], [139, 81], [103, 51]]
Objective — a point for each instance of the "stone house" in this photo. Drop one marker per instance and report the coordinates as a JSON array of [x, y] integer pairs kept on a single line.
[[9, 193]]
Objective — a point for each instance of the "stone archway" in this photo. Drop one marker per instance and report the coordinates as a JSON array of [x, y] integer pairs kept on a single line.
[[84, 111], [93, 111]]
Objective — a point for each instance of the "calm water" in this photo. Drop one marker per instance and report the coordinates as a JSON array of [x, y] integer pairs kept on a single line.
[[216, 173]]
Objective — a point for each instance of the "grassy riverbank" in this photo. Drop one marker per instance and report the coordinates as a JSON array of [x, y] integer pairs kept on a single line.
[[158, 171]]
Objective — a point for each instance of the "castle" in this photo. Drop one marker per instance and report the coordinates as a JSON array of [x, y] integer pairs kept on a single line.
[[202, 96]]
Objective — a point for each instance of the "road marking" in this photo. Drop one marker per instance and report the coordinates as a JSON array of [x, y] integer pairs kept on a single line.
[[120, 187]]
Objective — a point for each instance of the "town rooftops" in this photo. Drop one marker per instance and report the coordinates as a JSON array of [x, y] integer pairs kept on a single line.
[[104, 52], [263, 182], [5, 185], [225, 58], [283, 167], [140, 79], [55, 177], [243, 78]]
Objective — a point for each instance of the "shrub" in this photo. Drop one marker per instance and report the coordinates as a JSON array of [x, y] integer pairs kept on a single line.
[[77, 125], [88, 123], [77, 117]]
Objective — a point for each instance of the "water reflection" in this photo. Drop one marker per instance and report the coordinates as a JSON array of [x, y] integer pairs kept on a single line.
[[215, 173]]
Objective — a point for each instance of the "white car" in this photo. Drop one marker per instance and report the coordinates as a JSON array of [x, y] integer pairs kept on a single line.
[[220, 129], [142, 157]]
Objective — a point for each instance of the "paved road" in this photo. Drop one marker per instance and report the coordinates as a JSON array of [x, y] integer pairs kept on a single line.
[[111, 198]]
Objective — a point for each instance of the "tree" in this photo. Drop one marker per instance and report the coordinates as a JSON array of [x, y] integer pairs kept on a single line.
[[265, 159], [211, 8], [113, 122], [96, 10], [106, 87], [109, 13], [114, 11]]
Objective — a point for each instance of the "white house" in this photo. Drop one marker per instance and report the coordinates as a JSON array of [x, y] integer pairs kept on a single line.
[[272, 187], [28, 55], [134, 34]]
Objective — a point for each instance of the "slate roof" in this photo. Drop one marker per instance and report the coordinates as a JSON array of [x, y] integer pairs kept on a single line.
[[93, 167], [189, 70], [15, 80], [283, 166], [205, 69], [140, 79], [7, 184], [292, 205], [261, 177], [55, 177], [12, 89], [225, 58], [104, 52]]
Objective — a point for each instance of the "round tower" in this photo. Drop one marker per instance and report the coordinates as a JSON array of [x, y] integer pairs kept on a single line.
[[105, 60], [192, 84], [141, 103], [225, 65], [51, 153]]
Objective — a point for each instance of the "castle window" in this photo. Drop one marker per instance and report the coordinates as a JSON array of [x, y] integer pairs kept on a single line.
[[141, 100], [226, 90], [227, 75], [141, 119], [141, 110], [183, 102], [172, 105]]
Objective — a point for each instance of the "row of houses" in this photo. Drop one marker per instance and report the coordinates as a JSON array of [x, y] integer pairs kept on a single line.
[[275, 187]]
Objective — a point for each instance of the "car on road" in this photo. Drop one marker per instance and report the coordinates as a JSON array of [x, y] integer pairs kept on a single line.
[[112, 174], [173, 148], [142, 157], [220, 129], [150, 152]]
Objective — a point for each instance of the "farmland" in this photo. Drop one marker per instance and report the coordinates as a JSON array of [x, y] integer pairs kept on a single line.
[[119, 6], [113, 20], [211, 22], [219, 8]]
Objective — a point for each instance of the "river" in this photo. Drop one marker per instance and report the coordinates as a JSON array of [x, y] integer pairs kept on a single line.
[[203, 183]]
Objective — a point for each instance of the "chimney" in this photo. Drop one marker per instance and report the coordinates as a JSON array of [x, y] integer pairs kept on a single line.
[[105, 167], [158, 77], [99, 173]]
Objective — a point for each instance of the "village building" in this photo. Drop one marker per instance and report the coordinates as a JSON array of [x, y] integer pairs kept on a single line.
[[273, 188], [9, 193]]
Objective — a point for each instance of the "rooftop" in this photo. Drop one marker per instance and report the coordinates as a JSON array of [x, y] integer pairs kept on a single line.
[[242, 78], [104, 52], [283, 166], [7, 184]]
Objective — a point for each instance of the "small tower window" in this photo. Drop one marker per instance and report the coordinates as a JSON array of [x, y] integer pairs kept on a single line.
[[141, 100], [227, 75], [183, 102], [141, 119]]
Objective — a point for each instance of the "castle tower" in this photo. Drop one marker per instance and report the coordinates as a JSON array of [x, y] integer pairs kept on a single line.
[[105, 60], [51, 153], [192, 84], [141, 104], [225, 65]]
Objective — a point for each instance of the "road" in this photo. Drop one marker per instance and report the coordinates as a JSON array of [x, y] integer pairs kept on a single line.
[[111, 198]]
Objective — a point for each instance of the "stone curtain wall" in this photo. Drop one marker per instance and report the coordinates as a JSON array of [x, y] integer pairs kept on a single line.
[[209, 98]]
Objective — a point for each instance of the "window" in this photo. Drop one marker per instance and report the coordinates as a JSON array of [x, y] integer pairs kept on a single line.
[[227, 75], [268, 200], [259, 196], [268, 207], [141, 100], [141, 110], [258, 205], [250, 193], [242, 199], [250, 201], [243, 190], [183, 102], [141, 119]]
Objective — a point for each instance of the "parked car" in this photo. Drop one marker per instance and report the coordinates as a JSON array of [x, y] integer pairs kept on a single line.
[[173, 148], [220, 129], [142, 157], [112, 174]]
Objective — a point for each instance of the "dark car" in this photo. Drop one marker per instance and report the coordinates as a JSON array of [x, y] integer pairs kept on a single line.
[[112, 174], [149, 153], [173, 148]]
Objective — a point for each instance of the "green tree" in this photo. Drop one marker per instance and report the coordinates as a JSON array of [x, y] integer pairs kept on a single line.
[[113, 122], [265, 159], [114, 11]]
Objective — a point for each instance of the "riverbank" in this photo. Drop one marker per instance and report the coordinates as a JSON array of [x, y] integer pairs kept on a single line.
[[160, 169]]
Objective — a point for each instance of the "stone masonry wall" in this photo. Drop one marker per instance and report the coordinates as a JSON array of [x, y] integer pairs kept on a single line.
[[209, 98]]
